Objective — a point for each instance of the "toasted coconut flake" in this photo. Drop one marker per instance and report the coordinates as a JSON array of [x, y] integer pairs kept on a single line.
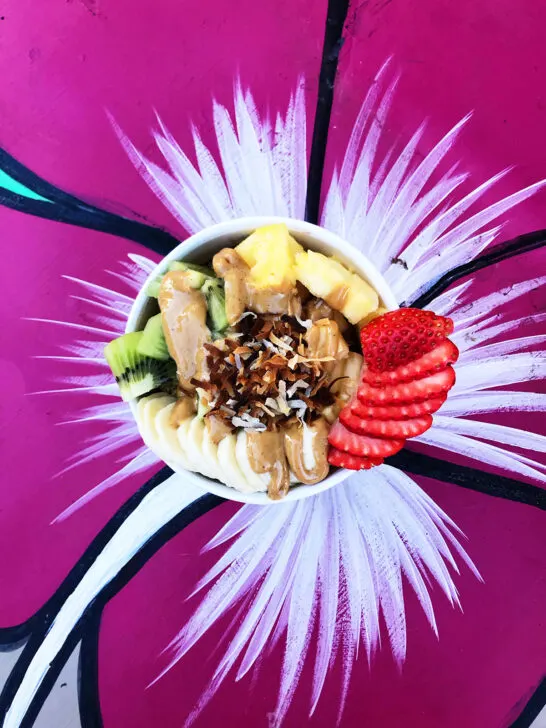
[[253, 377], [298, 384], [281, 343], [283, 406], [246, 314], [306, 323], [271, 346], [297, 403], [248, 423], [266, 409]]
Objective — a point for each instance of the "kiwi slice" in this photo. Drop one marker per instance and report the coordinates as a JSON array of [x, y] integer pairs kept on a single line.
[[203, 269], [213, 290], [135, 373], [153, 343], [152, 289], [197, 275]]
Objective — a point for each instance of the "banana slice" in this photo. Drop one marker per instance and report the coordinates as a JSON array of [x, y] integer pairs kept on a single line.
[[194, 449], [168, 437], [147, 409], [256, 481], [140, 411], [210, 455], [191, 447], [182, 434], [229, 468]]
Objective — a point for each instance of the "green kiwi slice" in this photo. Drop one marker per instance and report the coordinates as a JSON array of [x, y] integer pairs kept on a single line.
[[135, 373], [153, 343], [197, 275]]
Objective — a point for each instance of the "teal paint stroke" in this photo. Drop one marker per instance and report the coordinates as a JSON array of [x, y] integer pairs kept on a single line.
[[11, 185]]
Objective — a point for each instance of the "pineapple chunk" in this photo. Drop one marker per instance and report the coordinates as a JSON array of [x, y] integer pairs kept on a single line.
[[371, 316], [321, 275], [328, 279], [270, 254], [362, 299]]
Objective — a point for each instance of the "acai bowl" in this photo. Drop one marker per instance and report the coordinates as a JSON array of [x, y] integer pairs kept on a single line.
[[242, 348]]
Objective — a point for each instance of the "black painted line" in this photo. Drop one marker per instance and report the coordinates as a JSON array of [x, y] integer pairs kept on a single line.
[[535, 704], [30, 179], [10, 635], [43, 620], [333, 41], [88, 676], [517, 246], [66, 208], [492, 484]]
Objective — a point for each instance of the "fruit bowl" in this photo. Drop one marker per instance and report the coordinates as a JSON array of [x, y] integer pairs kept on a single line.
[[200, 248]]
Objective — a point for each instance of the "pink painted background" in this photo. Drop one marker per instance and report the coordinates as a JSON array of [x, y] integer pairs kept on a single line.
[[63, 64]]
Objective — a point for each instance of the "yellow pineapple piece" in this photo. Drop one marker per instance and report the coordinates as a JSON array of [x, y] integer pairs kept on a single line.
[[371, 316], [362, 299], [344, 291], [321, 275], [270, 254]]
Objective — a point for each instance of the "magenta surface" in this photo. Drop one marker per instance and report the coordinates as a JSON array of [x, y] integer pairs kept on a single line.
[[61, 71]]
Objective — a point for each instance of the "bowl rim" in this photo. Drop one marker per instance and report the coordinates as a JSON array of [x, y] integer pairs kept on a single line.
[[244, 225]]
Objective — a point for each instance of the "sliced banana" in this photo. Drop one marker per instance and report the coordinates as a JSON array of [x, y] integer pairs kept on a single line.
[[147, 409], [190, 446], [182, 434], [229, 468], [168, 436], [194, 449], [256, 481], [210, 455]]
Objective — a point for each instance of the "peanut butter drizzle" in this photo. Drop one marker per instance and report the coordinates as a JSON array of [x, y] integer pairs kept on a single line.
[[242, 295], [184, 313], [338, 298], [265, 452], [345, 377], [269, 300], [308, 470], [183, 408], [316, 309], [324, 339], [229, 265], [217, 428]]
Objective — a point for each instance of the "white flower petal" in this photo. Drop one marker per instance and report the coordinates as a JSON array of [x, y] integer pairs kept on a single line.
[[497, 433], [499, 371], [501, 348], [284, 562], [262, 173], [482, 452], [504, 401], [109, 308]]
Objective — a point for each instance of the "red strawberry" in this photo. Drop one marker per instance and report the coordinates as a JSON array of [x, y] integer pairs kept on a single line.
[[397, 411], [352, 462], [444, 353], [408, 392], [392, 429], [399, 337], [362, 445]]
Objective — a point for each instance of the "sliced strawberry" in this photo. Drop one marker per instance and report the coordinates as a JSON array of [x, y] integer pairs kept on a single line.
[[392, 429], [362, 445], [408, 392], [443, 354], [397, 411], [399, 337], [352, 462]]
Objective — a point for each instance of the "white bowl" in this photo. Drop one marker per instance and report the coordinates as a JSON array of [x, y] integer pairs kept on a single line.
[[200, 248]]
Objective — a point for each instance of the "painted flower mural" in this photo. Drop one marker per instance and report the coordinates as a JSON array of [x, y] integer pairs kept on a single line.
[[304, 588]]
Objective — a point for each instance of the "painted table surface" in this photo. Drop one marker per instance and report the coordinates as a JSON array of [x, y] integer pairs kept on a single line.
[[66, 65]]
